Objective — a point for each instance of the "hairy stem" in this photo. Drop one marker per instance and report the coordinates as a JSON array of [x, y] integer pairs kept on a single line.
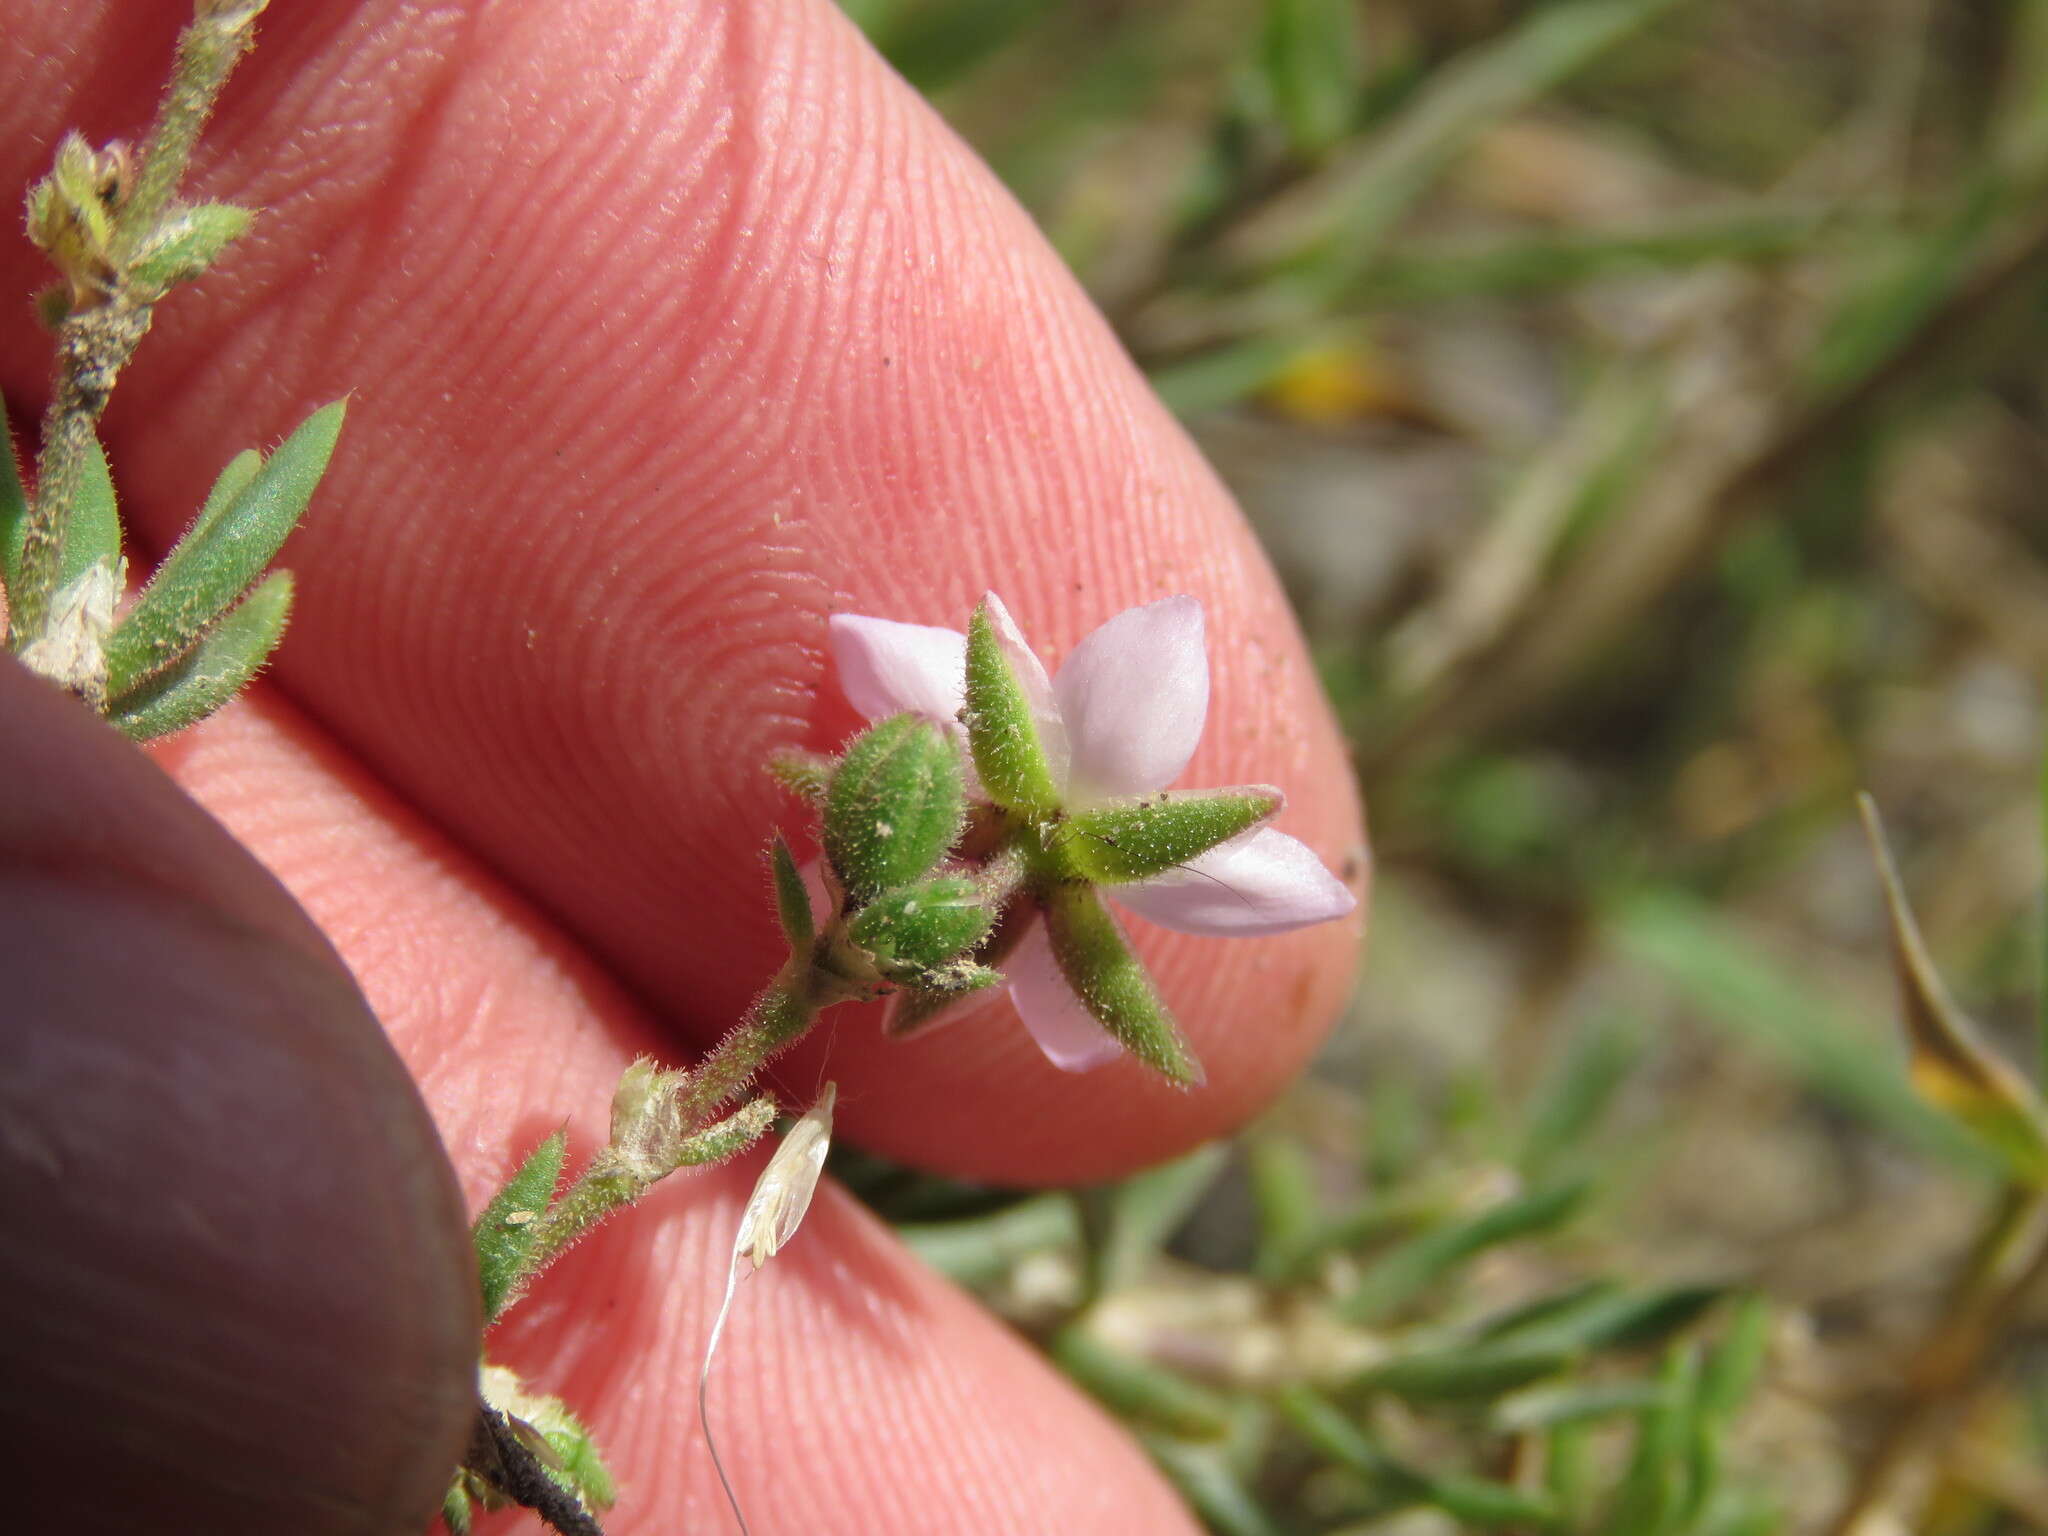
[[95, 341], [782, 1012]]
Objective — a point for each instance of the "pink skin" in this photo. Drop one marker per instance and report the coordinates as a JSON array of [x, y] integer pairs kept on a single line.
[[671, 331]]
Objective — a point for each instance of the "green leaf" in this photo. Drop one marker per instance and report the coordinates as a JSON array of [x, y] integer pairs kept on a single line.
[[1736, 985], [1572, 1403], [792, 901], [94, 531], [188, 243], [1137, 1389], [1948, 1062], [919, 1007], [917, 928], [456, 1511], [505, 1228], [1657, 1487], [227, 485], [807, 775], [1615, 1319], [215, 563], [1136, 839], [1363, 200], [1141, 1214], [212, 673], [1202, 1474], [1576, 1094], [1283, 1184], [896, 803], [1310, 58], [13, 508], [1423, 1260], [1002, 721], [1473, 1371], [1477, 1501], [982, 1251], [1096, 960]]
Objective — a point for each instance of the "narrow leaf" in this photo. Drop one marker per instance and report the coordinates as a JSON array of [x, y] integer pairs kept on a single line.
[[504, 1229], [1097, 962], [211, 673], [1949, 1063], [94, 531], [1575, 1096], [807, 775], [1609, 1318], [1139, 1390], [1478, 1371], [1656, 1488], [212, 566], [1310, 58], [456, 1512], [792, 901], [1202, 1474], [1736, 985], [13, 508], [1417, 1264], [188, 244], [1136, 839], [227, 486], [1144, 1211]]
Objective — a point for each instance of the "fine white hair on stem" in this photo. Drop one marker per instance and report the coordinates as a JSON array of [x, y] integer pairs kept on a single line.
[[773, 1213]]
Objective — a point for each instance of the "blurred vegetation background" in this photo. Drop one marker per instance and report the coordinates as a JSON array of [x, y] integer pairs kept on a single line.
[[1644, 401]]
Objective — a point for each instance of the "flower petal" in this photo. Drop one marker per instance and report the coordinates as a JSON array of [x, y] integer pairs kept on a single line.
[[1038, 689], [1262, 882], [1058, 1020], [1134, 695], [887, 668]]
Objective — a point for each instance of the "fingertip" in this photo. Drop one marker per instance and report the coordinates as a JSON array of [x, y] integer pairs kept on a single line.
[[240, 1297]]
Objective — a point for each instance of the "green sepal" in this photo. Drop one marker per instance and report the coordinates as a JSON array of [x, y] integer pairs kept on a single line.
[[921, 1006], [1096, 960], [504, 1230], [211, 673], [577, 1465], [93, 531], [792, 901], [1136, 839], [895, 805], [215, 563], [456, 1506], [187, 244], [1002, 731], [807, 775], [13, 510], [917, 928]]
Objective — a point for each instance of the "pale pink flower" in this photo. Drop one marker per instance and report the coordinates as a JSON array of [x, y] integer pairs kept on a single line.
[[1120, 720]]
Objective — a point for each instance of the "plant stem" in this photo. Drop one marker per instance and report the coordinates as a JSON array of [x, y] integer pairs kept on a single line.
[[2011, 1258], [95, 341], [208, 50], [782, 1012]]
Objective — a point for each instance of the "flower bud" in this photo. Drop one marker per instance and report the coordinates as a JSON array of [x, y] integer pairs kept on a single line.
[[895, 805], [919, 928]]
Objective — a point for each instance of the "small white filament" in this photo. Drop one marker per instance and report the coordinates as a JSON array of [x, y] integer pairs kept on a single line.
[[774, 1211]]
